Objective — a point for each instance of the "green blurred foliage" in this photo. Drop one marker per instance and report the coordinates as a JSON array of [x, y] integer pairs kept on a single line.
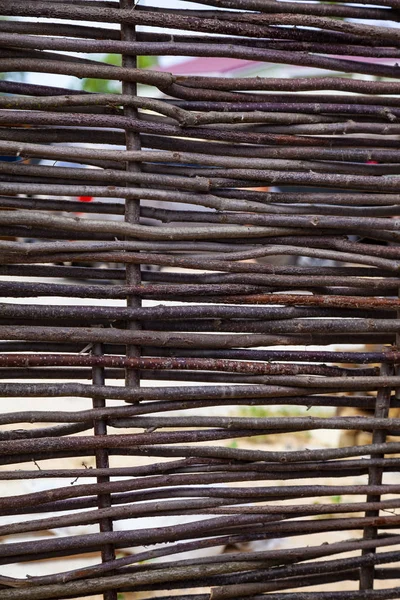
[[104, 86]]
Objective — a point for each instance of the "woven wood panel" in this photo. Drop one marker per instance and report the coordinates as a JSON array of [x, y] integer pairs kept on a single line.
[[199, 300]]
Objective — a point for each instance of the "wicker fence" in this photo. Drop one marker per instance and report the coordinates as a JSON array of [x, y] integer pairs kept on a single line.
[[174, 382]]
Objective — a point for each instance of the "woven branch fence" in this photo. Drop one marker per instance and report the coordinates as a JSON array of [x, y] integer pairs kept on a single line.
[[179, 381]]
